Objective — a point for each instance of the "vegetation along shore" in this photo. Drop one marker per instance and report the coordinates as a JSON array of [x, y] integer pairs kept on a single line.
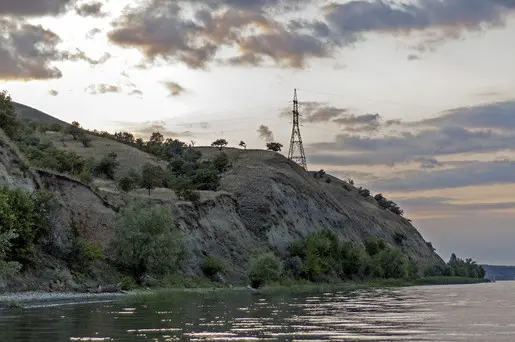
[[95, 212]]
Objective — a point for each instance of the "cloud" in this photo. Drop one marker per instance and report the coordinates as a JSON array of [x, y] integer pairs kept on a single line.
[[447, 19], [92, 33], [103, 89], [164, 30], [27, 51], [388, 149], [193, 32], [136, 92], [174, 88], [320, 112], [443, 207], [480, 129], [81, 56], [93, 9], [146, 128], [478, 173], [265, 133], [53, 92], [500, 115], [413, 58], [32, 8]]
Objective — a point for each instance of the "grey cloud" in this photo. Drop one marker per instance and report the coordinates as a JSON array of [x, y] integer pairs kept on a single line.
[[479, 173], [33, 8], [136, 92], [409, 146], [103, 89], [27, 51], [174, 88], [348, 21], [92, 33], [413, 57], [93, 9], [499, 115], [160, 29], [193, 32], [442, 205], [146, 128], [316, 112], [53, 92], [81, 56], [265, 133]]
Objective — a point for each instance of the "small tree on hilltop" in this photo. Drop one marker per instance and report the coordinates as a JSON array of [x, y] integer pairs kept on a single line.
[[243, 144], [219, 143], [274, 146], [152, 176]]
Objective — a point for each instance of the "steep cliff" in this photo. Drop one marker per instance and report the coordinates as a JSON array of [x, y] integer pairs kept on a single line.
[[264, 202]]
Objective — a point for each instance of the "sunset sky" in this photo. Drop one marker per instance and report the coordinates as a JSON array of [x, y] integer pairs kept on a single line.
[[414, 99]]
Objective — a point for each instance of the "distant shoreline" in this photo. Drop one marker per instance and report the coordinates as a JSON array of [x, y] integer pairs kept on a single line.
[[31, 299]]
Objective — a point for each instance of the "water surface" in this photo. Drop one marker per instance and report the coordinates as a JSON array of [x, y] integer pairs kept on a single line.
[[480, 312]]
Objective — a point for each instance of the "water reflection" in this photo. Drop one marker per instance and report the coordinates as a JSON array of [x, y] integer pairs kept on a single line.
[[411, 314]]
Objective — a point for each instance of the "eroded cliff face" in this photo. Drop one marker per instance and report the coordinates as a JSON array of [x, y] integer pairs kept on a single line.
[[280, 202], [264, 202]]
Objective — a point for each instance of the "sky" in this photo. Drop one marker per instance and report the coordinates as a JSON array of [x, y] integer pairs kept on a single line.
[[414, 99]]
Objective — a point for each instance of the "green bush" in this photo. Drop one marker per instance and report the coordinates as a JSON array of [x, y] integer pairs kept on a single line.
[[211, 266], [107, 165], [25, 214], [9, 122], [7, 268], [390, 262], [221, 162], [147, 240], [264, 268]]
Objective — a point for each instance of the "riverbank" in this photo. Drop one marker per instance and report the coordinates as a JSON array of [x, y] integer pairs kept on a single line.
[[34, 298]]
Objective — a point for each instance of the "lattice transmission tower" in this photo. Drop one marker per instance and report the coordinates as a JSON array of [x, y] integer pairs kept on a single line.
[[296, 152]]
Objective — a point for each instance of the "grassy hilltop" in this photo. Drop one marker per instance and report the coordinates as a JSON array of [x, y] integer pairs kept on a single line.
[[81, 207]]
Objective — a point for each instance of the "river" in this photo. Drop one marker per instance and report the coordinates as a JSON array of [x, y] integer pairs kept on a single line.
[[480, 312]]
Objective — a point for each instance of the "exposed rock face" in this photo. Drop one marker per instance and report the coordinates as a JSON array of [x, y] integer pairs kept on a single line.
[[264, 203]]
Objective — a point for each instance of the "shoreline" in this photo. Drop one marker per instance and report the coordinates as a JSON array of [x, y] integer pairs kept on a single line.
[[31, 299]]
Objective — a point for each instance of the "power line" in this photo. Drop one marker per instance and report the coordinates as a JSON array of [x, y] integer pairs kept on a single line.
[[378, 101]]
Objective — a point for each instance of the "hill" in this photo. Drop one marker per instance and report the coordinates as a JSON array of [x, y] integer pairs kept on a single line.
[[262, 202], [27, 113], [499, 272]]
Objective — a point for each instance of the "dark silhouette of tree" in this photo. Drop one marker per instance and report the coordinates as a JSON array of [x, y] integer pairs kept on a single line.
[[219, 143], [243, 144], [274, 146]]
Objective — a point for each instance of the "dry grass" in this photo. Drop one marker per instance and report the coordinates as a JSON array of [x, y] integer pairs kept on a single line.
[[128, 157]]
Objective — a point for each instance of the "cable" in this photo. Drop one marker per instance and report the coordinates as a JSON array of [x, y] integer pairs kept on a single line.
[[372, 100]]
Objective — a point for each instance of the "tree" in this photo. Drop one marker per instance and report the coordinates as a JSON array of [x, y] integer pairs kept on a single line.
[[124, 137], [74, 130], [85, 140], [8, 118], [274, 146], [130, 181], [156, 139], [219, 143], [147, 240], [107, 165], [264, 268], [243, 144], [221, 162], [152, 176]]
